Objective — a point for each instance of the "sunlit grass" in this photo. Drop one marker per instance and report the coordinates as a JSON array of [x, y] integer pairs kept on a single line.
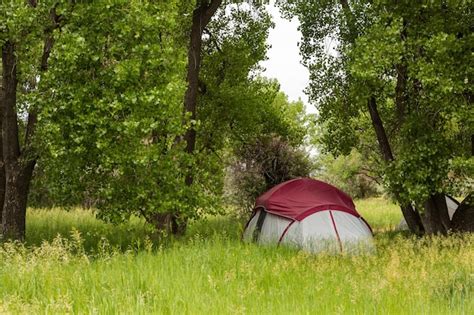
[[211, 272], [381, 214], [46, 224]]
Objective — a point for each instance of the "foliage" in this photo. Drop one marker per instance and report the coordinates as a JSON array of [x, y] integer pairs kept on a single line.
[[414, 58], [57, 276], [262, 164], [348, 173], [232, 101], [118, 85]]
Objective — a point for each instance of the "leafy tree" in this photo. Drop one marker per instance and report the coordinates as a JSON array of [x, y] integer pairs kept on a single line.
[[351, 173], [118, 86], [111, 125], [398, 79], [26, 39], [119, 134], [272, 152], [264, 163]]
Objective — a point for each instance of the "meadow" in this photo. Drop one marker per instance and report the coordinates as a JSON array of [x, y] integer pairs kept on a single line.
[[73, 263]]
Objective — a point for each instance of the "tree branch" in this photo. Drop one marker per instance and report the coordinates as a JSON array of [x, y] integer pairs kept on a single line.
[[213, 40], [11, 145], [209, 12], [47, 47]]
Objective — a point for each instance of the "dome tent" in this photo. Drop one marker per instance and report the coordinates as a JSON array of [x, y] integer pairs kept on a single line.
[[308, 214]]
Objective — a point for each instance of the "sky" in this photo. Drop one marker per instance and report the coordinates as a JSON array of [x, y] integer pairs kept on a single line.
[[284, 61]]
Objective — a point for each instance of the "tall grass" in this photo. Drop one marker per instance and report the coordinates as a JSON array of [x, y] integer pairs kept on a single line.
[[47, 224], [210, 271], [381, 214]]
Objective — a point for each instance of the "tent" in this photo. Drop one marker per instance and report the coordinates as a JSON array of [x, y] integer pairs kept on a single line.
[[310, 215], [451, 203]]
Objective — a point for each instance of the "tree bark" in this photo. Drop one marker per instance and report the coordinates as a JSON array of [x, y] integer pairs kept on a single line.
[[463, 218], [380, 133], [436, 218], [2, 164], [411, 215], [401, 97], [202, 15], [16, 197], [17, 173], [18, 164]]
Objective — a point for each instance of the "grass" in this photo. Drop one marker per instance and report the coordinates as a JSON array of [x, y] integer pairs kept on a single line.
[[97, 268], [381, 214]]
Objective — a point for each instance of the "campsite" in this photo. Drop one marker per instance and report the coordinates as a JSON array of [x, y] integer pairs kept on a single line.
[[236, 157]]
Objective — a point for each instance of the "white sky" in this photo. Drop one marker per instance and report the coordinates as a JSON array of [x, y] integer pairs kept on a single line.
[[284, 60]]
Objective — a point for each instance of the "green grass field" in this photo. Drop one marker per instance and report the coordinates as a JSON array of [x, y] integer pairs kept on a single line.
[[97, 268]]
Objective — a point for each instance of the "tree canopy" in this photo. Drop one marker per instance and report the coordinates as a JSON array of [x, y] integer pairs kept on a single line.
[[140, 107], [398, 78], [111, 119]]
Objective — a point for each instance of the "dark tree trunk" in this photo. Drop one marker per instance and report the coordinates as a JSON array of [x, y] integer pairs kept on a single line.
[[401, 97], [472, 145], [380, 133], [412, 218], [2, 164], [202, 15], [463, 218], [17, 165], [411, 215], [436, 218], [168, 223], [190, 98], [17, 171], [16, 197]]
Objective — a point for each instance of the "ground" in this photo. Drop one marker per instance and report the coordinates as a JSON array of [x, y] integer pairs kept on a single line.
[[86, 266]]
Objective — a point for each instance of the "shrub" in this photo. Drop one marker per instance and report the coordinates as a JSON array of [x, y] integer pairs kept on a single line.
[[262, 164]]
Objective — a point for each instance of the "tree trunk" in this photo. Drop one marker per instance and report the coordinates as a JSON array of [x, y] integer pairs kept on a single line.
[[202, 15], [412, 218], [16, 197], [377, 123], [17, 173], [2, 164], [463, 218], [168, 223], [190, 98], [436, 217], [411, 215], [18, 165]]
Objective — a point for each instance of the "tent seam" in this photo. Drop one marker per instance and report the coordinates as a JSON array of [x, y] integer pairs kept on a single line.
[[335, 230]]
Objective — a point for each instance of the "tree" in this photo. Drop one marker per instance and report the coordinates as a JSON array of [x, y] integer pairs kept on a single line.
[[266, 162], [26, 39], [398, 77], [118, 82], [351, 173], [117, 134], [202, 15]]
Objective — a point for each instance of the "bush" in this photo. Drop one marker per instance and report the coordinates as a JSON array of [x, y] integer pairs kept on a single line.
[[350, 174], [262, 164]]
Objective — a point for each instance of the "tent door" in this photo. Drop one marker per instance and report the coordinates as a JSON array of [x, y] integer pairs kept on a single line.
[[258, 227]]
